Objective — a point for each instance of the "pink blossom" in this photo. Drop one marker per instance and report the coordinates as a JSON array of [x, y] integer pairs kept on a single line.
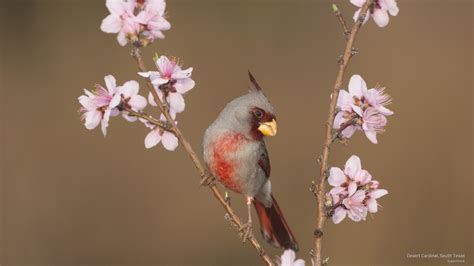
[[170, 80], [378, 12], [121, 20], [362, 109], [378, 99], [157, 135], [152, 17], [351, 206], [371, 200], [130, 98], [99, 105], [138, 21], [354, 193], [373, 122], [350, 179], [288, 258]]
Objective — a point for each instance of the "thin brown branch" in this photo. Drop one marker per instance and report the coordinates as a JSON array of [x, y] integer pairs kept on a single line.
[[321, 217], [161, 124], [338, 133], [341, 19], [203, 173]]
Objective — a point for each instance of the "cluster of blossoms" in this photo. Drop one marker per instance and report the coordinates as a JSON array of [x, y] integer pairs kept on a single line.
[[354, 192], [137, 21], [362, 109], [171, 82], [379, 12], [99, 105]]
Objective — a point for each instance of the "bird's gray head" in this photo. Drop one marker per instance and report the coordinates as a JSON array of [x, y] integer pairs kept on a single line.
[[251, 114]]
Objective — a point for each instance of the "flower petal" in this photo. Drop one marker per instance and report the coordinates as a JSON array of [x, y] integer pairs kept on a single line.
[[110, 83], [122, 38], [363, 177], [357, 86], [184, 85], [151, 99], [145, 74], [371, 135], [164, 65], [157, 81], [358, 197], [129, 88], [392, 7], [128, 117], [372, 205], [358, 3], [381, 17], [183, 74], [339, 215], [352, 166], [176, 102], [288, 257], [339, 120], [385, 111], [299, 262], [336, 190], [92, 119], [115, 101], [87, 102], [114, 112], [378, 193], [336, 177], [170, 142], [352, 188], [137, 102], [344, 100], [152, 139], [115, 6], [357, 110], [349, 131], [105, 122], [111, 24], [159, 24]]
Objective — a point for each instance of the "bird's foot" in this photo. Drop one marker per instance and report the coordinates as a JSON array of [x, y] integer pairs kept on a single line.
[[246, 231], [207, 179]]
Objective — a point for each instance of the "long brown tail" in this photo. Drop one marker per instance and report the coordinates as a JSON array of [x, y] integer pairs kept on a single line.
[[273, 226]]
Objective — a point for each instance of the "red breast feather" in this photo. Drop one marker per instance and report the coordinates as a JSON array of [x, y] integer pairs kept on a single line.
[[222, 165]]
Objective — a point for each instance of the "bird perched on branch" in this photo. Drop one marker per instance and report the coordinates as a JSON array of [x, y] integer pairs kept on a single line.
[[235, 153]]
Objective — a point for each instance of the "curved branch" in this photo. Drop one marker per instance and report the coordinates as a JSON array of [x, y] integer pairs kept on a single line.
[[203, 173], [343, 62], [161, 124]]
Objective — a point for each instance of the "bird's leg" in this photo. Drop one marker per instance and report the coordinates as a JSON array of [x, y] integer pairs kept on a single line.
[[247, 227]]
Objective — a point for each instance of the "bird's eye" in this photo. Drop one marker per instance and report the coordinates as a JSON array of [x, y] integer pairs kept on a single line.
[[258, 113]]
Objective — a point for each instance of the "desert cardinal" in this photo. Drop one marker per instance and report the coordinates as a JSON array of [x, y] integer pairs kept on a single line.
[[235, 153]]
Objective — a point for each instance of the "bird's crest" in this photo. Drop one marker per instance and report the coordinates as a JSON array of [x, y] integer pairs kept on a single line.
[[253, 83]]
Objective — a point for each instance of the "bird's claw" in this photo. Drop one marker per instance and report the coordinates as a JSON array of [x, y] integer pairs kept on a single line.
[[207, 180], [246, 231]]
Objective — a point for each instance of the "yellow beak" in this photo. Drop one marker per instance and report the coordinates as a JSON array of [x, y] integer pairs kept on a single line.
[[268, 128]]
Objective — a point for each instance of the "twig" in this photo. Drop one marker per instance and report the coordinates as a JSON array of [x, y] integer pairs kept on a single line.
[[321, 217], [234, 218], [338, 134], [161, 124], [341, 19]]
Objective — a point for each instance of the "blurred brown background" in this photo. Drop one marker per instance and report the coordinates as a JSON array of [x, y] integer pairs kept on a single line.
[[71, 197]]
